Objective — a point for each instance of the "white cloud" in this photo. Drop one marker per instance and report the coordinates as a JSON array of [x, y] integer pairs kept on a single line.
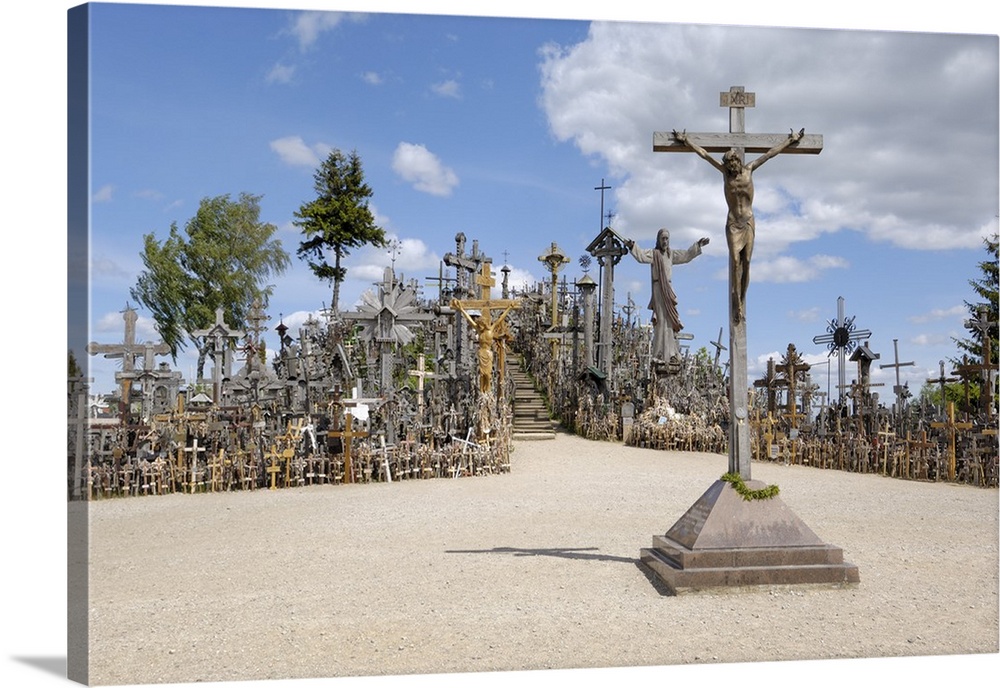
[[105, 267], [935, 339], [447, 89], [785, 269], [807, 315], [294, 151], [307, 26], [877, 174], [280, 74], [104, 194], [373, 78], [958, 312], [417, 165], [413, 260], [149, 195], [519, 279], [113, 325]]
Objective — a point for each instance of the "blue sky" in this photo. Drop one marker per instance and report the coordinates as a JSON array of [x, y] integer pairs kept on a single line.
[[501, 128]]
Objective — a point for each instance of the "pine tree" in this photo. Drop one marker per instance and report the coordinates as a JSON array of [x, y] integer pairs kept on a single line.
[[982, 311], [338, 219], [986, 289]]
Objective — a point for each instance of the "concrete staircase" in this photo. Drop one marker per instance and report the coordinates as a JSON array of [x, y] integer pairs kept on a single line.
[[531, 418]]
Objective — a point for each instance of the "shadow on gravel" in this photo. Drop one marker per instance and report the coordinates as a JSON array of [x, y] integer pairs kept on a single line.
[[574, 553], [561, 552]]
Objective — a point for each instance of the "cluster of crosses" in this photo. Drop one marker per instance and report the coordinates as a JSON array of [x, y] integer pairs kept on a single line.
[[400, 373], [426, 382], [797, 421]]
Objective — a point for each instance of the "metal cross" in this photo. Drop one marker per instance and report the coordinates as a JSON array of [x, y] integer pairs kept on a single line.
[[898, 389], [841, 337]]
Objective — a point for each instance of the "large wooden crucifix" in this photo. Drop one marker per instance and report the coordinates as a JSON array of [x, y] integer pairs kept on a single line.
[[792, 367], [485, 326], [738, 190]]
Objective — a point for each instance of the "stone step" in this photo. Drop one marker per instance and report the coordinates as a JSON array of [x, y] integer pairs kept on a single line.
[[530, 415]]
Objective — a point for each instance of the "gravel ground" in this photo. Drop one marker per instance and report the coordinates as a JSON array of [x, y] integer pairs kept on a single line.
[[535, 569]]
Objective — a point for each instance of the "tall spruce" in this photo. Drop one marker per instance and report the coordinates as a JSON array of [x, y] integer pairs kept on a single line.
[[337, 220], [985, 288]]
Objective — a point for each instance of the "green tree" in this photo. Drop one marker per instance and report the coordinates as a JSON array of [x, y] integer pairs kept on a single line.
[[222, 259], [982, 310], [74, 368], [986, 290], [338, 219]]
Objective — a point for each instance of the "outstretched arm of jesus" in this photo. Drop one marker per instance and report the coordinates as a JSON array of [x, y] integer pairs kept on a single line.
[[682, 137], [458, 307], [792, 138]]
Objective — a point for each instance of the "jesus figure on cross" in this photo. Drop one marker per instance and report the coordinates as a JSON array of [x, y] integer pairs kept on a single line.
[[738, 187]]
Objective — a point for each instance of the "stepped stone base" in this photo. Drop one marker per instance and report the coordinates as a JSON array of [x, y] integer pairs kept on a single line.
[[726, 541]]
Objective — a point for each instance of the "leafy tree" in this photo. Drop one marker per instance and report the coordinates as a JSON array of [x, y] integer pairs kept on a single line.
[[222, 259], [954, 392], [338, 220]]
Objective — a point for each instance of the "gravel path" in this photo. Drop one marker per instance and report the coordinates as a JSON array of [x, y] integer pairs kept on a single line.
[[534, 569]]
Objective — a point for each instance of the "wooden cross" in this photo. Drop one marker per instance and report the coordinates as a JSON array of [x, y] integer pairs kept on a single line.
[[421, 373], [486, 327], [885, 435], [738, 190], [194, 449], [983, 324], [463, 264], [602, 188], [942, 380], [217, 336], [347, 435], [719, 347], [128, 351], [441, 280], [791, 367], [898, 389], [769, 435], [275, 466], [822, 412], [967, 372], [952, 428], [554, 259], [736, 99], [922, 445], [485, 281], [769, 383]]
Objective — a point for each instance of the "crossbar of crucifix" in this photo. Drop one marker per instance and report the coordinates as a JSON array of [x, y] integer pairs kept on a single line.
[[663, 142]]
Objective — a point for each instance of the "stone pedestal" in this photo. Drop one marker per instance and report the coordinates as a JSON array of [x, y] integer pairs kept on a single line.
[[726, 541]]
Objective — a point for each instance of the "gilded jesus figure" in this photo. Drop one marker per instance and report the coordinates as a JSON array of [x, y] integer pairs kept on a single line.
[[487, 330], [738, 188]]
